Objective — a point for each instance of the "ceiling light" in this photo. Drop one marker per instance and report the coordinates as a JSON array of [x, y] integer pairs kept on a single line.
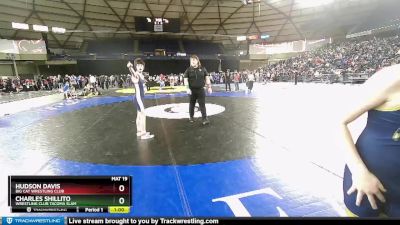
[[59, 30], [22, 26], [40, 28], [241, 38]]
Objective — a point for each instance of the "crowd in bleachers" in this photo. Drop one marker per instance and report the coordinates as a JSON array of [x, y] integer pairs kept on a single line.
[[76, 85], [56, 83], [336, 59], [344, 58], [13, 84]]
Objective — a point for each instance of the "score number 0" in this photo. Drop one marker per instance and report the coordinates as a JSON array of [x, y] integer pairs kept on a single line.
[[121, 200]]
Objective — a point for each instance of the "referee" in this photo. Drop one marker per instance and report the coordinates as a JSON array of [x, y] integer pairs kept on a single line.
[[196, 77]]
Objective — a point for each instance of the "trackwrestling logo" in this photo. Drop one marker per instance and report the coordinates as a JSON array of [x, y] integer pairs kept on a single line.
[[181, 111], [33, 220]]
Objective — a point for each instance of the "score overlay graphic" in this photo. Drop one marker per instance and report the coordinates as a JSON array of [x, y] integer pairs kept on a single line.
[[86, 194]]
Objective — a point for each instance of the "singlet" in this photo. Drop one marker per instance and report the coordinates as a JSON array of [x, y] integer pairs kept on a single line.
[[379, 146], [141, 89]]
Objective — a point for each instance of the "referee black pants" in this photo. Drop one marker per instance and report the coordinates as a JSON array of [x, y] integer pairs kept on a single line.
[[199, 95], [227, 85]]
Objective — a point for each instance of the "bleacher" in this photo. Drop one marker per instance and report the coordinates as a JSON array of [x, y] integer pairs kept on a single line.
[[355, 78], [110, 46], [148, 47], [202, 48]]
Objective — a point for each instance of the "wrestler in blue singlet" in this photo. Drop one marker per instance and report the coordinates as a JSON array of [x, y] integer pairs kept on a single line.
[[379, 147], [141, 91]]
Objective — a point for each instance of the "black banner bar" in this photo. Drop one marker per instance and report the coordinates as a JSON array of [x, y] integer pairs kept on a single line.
[[221, 221], [9, 190]]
